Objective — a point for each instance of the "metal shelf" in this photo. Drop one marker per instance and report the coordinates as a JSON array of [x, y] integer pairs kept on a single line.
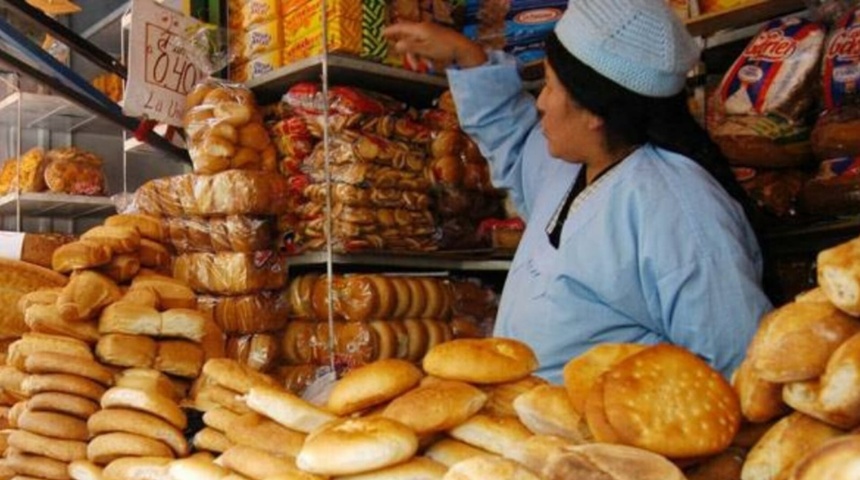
[[414, 88], [56, 205], [51, 112], [748, 14], [480, 260]]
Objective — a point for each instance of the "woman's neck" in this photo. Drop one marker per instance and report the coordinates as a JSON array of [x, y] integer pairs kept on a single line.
[[604, 160]]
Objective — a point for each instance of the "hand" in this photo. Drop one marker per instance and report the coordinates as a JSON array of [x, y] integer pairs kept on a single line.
[[435, 42]]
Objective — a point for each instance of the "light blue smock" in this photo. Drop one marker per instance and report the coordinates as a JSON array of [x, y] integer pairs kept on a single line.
[[654, 251]]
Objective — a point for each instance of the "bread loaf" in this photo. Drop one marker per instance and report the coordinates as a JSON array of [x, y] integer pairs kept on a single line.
[[498, 435], [615, 462], [171, 293], [153, 255], [436, 407], [16, 279], [262, 312], [231, 273], [80, 255], [85, 296], [286, 409], [491, 360], [233, 192], [118, 239], [839, 277], [125, 350], [104, 449], [581, 372], [233, 233], [547, 410], [47, 319], [138, 423], [371, 385], [179, 357], [249, 428], [148, 226], [122, 268], [30, 343]]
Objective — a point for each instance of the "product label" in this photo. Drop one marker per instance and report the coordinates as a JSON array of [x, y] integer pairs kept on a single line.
[[839, 167], [841, 67], [11, 245]]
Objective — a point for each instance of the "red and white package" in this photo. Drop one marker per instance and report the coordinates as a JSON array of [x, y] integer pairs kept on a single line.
[[776, 72], [841, 65]]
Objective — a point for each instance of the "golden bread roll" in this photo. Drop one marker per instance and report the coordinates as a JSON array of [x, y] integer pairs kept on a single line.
[[172, 293], [54, 425], [143, 296], [11, 379], [19, 350], [257, 464], [234, 375], [121, 268], [287, 409], [760, 400], [839, 277], [108, 447], [493, 434], [581, 372], [138, 468], [148, 402], [47, 319], [195, 468], [263, 312], [249, 428], [211, 440], [489, 360], [784, 445], [119, 239], [179, 357], [836, 459], [839, 395], [18, 279], [449, 452], [44, 296], [15, 412], [811, 331], [534, 451], [62, 383], [481, 468], [616, 462], [418, 468], [130, 319], [548, 410], [153, 255], [148, 380], [436, 407], [138, 423], [371, 385], [35, 466], [53, 448], [80, 255], [85, 470], [501, 396], [52, 362], [85, 295], [220, 418], [815, 295], [701, 422], [215, 396], [149, 227], [64, 403], [138, 351], [350, 446]]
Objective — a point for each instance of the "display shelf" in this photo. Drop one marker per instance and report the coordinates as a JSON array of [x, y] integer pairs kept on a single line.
[[56, 205], [456, 260], [752, 12], [414, 88], [51, 112], [812, 237]]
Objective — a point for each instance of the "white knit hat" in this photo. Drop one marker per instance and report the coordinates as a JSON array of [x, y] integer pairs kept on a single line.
[[640, 44]]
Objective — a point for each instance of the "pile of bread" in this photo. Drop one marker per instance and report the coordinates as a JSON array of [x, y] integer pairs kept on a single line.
[[62, 170]]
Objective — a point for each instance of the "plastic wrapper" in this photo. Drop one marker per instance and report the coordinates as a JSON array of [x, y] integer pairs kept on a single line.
[[503, 234], [234, 192], [353, 196], [74, 171], [231, 273], [297, 378], [28, 173], [775, 191], [246, 314], [776, 73], [225, 129], [370, 175], [234, 233], [351, 148], [258, 351], [829, 11], [835, 190], [307, 98]]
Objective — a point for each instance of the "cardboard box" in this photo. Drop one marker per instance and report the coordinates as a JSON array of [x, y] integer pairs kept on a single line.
[[263, 38], [258, 12], [522, 34], [344, 36]]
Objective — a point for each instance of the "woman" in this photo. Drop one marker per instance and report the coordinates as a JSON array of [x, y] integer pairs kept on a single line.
[[633, 232]]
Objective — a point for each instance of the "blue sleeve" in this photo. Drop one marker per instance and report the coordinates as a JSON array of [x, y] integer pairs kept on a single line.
[[712, 306], [502, 119]]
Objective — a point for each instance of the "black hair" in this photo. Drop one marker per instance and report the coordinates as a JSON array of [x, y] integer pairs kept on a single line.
[[634, 119]]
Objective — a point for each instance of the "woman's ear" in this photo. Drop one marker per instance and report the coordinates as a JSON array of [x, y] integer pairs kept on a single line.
[[594, 122]]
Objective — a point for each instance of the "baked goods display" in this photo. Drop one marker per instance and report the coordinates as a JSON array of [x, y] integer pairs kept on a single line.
[[16, 280]]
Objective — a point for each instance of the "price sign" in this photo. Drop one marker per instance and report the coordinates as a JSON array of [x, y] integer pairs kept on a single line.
[[160, 71]]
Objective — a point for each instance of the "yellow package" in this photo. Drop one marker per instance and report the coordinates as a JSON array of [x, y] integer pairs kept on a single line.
[[304, 11], [262, 64], [710, 6], [344, 36], [263, 38], [256, 12]]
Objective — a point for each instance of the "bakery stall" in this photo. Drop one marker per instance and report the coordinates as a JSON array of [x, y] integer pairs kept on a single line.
[[310, 294]]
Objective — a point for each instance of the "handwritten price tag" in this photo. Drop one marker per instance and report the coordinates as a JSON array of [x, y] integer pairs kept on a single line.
[[160, 72]]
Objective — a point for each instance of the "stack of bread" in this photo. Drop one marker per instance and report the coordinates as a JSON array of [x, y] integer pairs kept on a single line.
[[462, 192], [799, 379], [375, 317], [475, 412], [221, 218], [63, 170], [18, 278], [376, 158]]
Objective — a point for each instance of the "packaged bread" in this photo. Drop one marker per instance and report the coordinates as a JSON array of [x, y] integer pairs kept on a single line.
[[231, 273], [349, 147], [233, 192], [368, 197], [351, 343], [261, 312], [833, 189], [28, 172], [258, 351], [16, 279], [372, 174], [74, 171], [232, 233], [226, 130]]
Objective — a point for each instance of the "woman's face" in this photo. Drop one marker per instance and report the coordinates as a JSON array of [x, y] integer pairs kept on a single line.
[[566, 125]]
